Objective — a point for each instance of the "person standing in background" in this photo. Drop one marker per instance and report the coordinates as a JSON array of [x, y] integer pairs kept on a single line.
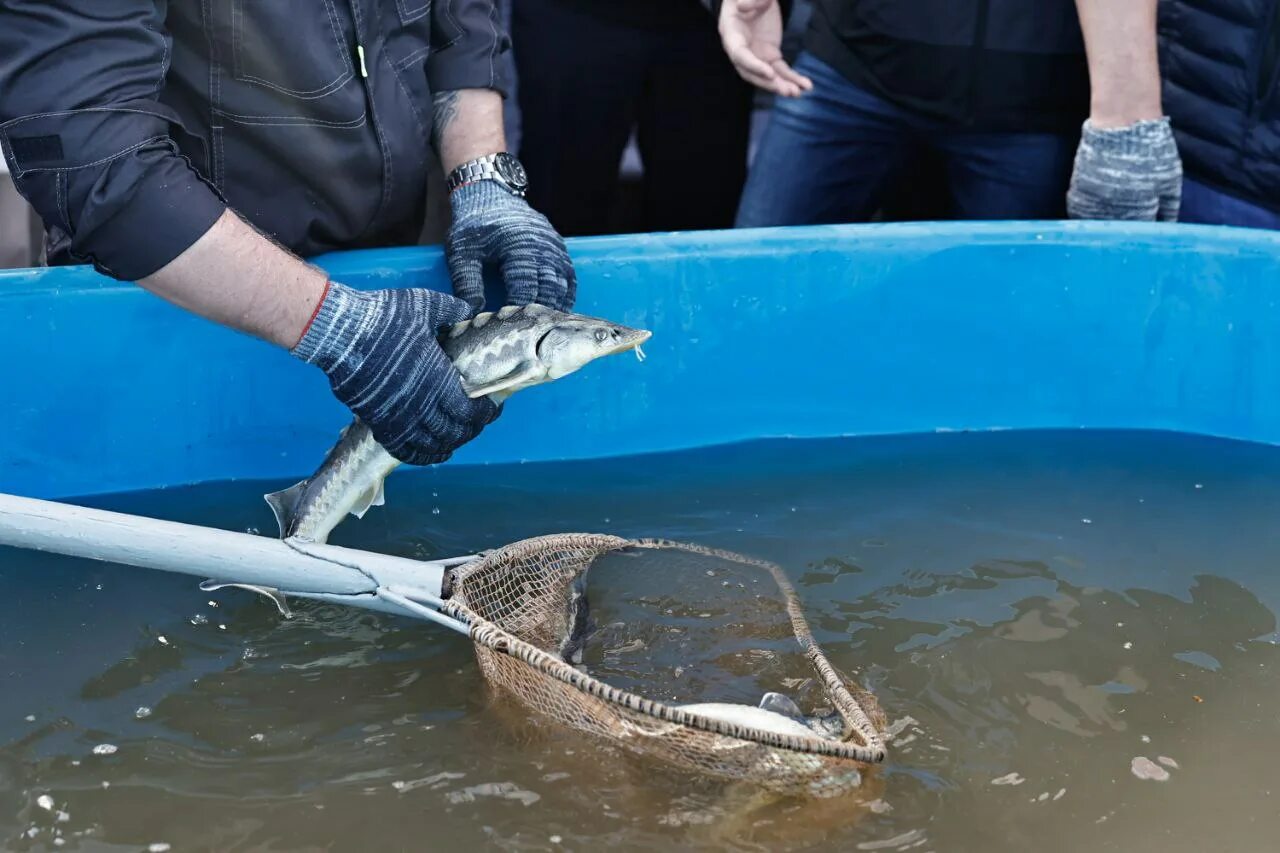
[[590, 72], [1221, 66], [997, 88]]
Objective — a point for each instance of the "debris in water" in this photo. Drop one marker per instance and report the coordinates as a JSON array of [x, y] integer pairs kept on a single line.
[[555, 839], [45, 802], [1145, 768], [142, 713], [502, 790], [158, 847], [1087, 520], [1062, 792], [1167, 761], [259, 737], [105, 749], [163, 641], [30, 718], [1009, 779], [1197, 698], [1128, 645]]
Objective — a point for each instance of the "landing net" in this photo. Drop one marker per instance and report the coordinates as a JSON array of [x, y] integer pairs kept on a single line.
[[517, 603]]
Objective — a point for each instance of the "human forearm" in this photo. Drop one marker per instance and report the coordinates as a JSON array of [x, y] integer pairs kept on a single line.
[[466, 124], [235, 276], [1120, 37]]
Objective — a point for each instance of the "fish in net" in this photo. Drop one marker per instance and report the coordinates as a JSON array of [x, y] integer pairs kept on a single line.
[[521, 601]]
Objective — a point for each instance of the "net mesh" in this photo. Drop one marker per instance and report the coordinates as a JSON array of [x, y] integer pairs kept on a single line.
[[517, 602]]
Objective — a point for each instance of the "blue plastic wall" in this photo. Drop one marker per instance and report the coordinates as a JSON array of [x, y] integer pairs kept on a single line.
[[801, 332]]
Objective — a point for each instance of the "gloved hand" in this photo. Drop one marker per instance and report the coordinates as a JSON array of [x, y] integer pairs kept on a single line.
[[1129, 172], [380, 352], [492, 224]]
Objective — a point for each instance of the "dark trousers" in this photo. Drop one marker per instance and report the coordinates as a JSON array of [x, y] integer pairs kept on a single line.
[[839, 153], [585, 83]]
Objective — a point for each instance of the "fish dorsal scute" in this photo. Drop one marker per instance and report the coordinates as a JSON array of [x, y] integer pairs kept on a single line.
[[459, 328], [507, 310], [481, 320]]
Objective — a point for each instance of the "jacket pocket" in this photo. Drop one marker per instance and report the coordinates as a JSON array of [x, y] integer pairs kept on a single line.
[[295, 47]]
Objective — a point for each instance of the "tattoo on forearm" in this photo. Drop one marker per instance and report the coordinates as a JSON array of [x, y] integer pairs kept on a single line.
[[444, 108]]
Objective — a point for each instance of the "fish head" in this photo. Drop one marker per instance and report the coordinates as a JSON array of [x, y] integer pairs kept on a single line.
[[574, 340]]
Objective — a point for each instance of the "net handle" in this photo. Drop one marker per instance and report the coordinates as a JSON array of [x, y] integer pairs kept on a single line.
[[491, 636], [855, 717]]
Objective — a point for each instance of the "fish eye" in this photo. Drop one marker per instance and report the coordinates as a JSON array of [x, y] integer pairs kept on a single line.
[[601, 336]]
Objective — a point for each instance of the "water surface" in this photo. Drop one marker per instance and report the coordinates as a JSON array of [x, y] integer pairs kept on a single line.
[[1039, 614]]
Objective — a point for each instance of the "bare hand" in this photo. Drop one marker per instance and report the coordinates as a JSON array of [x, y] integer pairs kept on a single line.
[[751, 31]]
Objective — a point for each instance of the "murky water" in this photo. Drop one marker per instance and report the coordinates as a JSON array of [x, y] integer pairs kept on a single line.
[[1050, 620]]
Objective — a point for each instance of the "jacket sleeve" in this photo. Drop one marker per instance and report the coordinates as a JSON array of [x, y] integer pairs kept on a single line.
[[469, 46], [86, 138]]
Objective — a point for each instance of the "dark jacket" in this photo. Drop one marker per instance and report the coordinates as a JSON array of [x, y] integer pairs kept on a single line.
[[131, 124], [1006, 65], [1221, 67]]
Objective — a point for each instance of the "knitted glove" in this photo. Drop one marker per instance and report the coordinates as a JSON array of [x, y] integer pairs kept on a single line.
[[380, 352], [1130, 172], [491, 224]]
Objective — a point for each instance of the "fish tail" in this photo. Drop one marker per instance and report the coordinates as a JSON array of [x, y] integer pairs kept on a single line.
[[285, 506]]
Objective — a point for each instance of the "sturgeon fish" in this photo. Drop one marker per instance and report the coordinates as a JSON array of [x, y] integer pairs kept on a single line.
[[496, 354]]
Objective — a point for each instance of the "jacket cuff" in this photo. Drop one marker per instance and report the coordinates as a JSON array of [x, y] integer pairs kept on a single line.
[[113, 185], [470, 55]]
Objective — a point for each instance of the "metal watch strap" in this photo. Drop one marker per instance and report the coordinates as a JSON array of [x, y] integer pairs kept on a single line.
[[480, 169]]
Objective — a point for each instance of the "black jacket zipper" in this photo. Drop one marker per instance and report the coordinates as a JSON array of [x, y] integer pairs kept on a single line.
[[367, 84]]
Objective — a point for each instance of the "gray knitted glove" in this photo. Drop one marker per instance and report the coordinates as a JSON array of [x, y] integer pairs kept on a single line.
[[380, 352], [492, 225], [1129, 172]]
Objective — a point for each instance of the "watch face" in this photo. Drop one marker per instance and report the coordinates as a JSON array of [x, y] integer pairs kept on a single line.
[[511, 170]]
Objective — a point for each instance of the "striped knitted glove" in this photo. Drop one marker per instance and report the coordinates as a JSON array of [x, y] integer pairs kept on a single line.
[[490, 225], [1129, 172], [379, 349]]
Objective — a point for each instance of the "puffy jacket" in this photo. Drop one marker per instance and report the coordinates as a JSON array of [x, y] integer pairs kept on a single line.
[[1012, 65], [130, 125], [1221, 65]]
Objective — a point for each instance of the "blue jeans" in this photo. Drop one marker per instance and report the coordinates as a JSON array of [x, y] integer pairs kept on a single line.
[[832, 155], [1207, 206]]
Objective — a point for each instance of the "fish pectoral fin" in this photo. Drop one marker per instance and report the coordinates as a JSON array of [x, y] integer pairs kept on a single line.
[[375, 495], [285, 506], [779, 704], [523, 371]]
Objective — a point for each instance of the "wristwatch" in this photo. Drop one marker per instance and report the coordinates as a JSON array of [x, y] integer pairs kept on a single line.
[[501, 167]]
